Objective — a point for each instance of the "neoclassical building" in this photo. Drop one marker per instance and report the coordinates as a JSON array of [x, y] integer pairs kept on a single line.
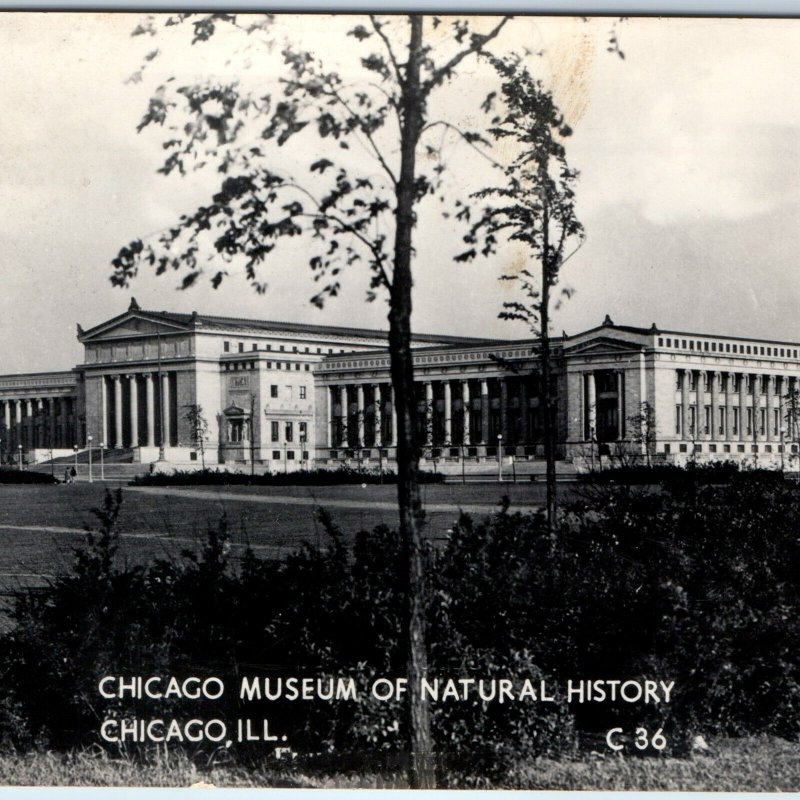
[[283, 396]]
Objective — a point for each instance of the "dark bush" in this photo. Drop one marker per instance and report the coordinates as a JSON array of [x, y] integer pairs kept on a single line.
[[313, 477], [9, 475]]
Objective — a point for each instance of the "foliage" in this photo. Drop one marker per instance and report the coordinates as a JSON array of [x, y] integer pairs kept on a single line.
[[311, 477], [11, 475]]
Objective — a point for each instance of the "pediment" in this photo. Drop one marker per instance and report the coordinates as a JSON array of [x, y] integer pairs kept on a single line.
[[235, 411], [131, 324], [604, 344]]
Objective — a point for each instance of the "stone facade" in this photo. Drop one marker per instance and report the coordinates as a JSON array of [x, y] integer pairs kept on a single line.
[[288, 396]]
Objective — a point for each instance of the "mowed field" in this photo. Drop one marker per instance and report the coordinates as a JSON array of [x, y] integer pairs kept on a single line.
[[40, 525]]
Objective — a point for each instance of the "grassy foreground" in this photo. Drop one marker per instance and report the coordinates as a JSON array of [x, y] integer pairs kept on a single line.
[[754, 764]]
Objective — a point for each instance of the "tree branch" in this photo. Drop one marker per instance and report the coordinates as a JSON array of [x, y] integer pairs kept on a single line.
[[463, 135], [388, 45]]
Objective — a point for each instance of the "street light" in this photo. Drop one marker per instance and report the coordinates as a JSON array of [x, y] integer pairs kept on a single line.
[[500, 457], [19, 448], [89, 441], [75, 450], [102, 462]]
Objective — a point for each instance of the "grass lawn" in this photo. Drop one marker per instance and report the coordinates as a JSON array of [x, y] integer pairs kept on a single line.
[[40, 525], [754, 765]]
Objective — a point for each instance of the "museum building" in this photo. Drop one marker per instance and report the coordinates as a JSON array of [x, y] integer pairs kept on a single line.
[[192, 388]]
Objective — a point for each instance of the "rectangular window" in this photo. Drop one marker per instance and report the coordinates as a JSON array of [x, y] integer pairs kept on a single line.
[[692, 418], [276, 455], [305, 455], [777, 422], [303, 393], [749, 421], [273, 390], [721, 411], [667, 449], [289, 430], [726, 448], [678, 418], [275, 431], [303, 431], [678, 379], [660, 342], [290, 455], [241, 347], [307, 368], [226, 346], [669, 342], [269, 347], [297, 366], [254, 346], [707, 419], [269, 365], [281, 348], [736, 421]]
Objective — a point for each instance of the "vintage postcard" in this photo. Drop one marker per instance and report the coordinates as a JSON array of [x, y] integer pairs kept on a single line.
[[395, 401]]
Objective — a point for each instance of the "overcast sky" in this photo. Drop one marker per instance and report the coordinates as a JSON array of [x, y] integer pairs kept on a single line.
[[689, 152]]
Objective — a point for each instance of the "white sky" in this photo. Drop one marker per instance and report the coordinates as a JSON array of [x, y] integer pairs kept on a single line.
[[689, 152]]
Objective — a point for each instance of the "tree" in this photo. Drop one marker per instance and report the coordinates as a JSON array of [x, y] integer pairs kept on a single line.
[[198, 426], [643, 426], [537, 208], [344, 207]]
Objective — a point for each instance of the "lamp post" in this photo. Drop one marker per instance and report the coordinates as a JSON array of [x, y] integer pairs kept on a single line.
[[89, 441], [500, 457], [75, 450], [19, 449], [102, 462]]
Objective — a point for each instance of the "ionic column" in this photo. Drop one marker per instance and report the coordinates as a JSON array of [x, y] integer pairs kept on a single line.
[[118, 411], [592, 400], [345, 406], [756, 408], [769, 431], [378, 415], [134, 410], [165, 409], [448, 416], [150, 408], [742, 407], [729, 407], [7, 414], [428, 413], [103, 410], [504, 409], [329, 416], [714, 420], [685, 405], [484, 412], [465, 401], [621, 405], [360, 413]]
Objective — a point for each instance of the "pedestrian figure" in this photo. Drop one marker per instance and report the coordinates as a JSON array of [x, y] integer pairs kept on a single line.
[[72, 473], [67, 476]]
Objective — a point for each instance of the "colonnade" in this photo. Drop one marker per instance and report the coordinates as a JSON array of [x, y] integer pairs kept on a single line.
[[717, 408], [462, 411], [121, 394], [38, 422], [591, 394]]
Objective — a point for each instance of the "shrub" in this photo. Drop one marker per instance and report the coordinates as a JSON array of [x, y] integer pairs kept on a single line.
[[9, 475]]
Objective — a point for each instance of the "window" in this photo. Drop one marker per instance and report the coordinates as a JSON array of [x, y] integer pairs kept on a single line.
[[290, 455], [308, 368], [254, 346], [276, 455], [269, 365], [682, 448], [678, 380], [678, 418], [275, 431], [307, 350], [303, 430], [303, 394], [669, 342], [278, 365], [269, 347], [740, 448], [721, 411], [305, 455], [726, 448], [749, 421], [226, 346], [319, 350], [273, 390], [241, 347], [294, 349], [330, 351], [297, 367], [660, 342], [707, 419], [692, 380], [281, 348], [289, 431], [692, 418], [667, 449], [736, 421]]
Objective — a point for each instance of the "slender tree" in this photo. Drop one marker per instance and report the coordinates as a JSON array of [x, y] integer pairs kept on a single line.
[[198, 425], [535, 206], [354, 201]]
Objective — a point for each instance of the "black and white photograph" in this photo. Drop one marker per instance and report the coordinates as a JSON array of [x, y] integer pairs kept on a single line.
[[399, 401]]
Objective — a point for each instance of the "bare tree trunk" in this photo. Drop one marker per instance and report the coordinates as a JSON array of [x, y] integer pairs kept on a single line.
[[545, 396], [421, 773]]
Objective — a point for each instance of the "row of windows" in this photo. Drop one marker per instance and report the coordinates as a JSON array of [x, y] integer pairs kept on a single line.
[[730, 382], [285, 365], [288, 431], [727, 347], [721, 419], [290, 455], [226, 346], [726, 448], [274, 391]]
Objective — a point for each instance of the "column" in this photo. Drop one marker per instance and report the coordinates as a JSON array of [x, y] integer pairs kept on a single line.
[[329, 416], [394, 418], [465, 401], [685, 381], [360, 413], [64, 422], [345, 407], [621, 405], [165, 421], [151, 409], [103, 411], [118, 411], [428, 413], [769, 427], [756, 408], [729, 407], [742, 407], [592, 401], [504, 410], [378, 414], [448, 416], [7, 414], [700, 406], [714, 423], [134, 410], [523, 411], [484, 412]]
